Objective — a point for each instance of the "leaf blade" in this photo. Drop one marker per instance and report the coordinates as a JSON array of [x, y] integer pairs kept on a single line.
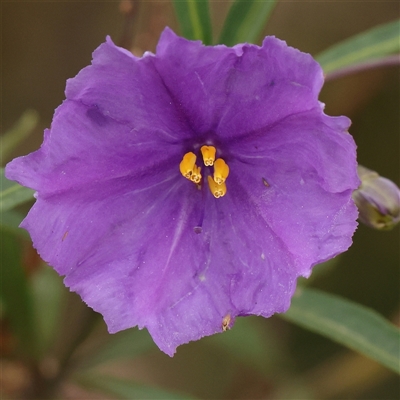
[[47, 300], [347, 323], [12, 194], [10, 221], [21, 130], [194, 19], [16, 294], [245, 21], [130, 344], [251, 344], [126, 389], [371, 44]]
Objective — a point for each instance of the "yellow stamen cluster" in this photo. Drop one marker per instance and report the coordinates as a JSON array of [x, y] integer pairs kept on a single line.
[[217, 190], [196, 175], [208, 153], [191, 171], [221, 171]]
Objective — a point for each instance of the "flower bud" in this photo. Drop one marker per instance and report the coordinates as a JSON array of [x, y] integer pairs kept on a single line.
[[377, 199]]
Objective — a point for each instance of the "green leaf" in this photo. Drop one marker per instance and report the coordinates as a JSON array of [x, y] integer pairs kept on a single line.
[[10, 221], [245, 21], [22, 129], [12, 194], [194, 19], [372, 44], [48, 291], [127, 344], [16, 295], [125, 389], [347, 323], [249, 342]]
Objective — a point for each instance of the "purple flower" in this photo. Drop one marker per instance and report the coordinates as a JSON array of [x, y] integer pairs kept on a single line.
[[151, 227]]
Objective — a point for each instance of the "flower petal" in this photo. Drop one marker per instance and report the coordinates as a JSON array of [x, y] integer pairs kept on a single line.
[[129, 90], [301, 173], [128, 240], [161, 273], [100, 149], [245, 271], [125, 246], [228, 92]]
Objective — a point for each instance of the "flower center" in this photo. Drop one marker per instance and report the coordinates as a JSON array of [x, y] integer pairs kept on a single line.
[[191, 171]]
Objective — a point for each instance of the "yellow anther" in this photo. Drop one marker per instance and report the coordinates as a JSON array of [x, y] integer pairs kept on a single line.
[[196, 175], [217, 190], [221, 171], [187, 165], [208, 153]]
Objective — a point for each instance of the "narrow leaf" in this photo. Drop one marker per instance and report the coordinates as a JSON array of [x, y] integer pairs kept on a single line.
[[123, 345], [194, 19], [12, 194], [22, 129], [251, 344], [347, 323], [48, 291], [245, 21], [10, 221], [372, 44], [16, 295], [125, 389]]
